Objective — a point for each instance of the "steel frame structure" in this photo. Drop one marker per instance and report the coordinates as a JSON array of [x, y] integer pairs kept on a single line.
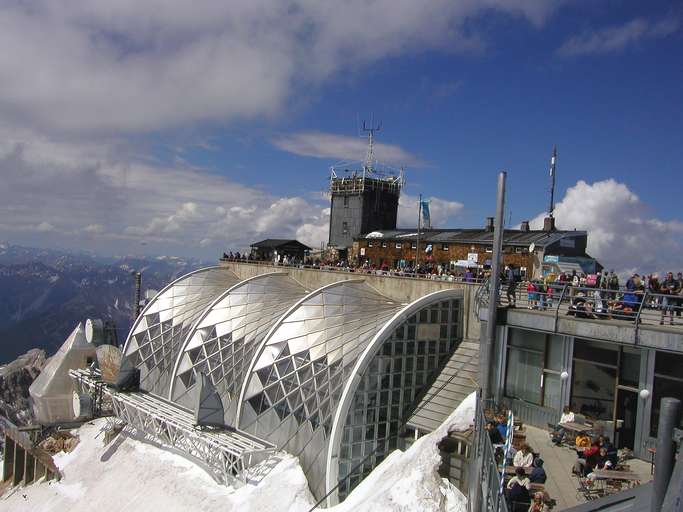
[[225, 453]]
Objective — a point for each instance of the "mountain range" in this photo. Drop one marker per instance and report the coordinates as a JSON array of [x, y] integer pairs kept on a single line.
[[44, 293]]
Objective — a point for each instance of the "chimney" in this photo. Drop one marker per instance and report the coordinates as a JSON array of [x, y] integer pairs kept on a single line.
[[489, 224], [525, 226], [549, 224]]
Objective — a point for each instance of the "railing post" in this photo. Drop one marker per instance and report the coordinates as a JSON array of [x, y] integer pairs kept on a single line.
[[557, 308], [636, 331]]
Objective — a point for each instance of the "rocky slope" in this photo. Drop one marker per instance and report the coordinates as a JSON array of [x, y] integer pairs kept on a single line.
[[15, 379]]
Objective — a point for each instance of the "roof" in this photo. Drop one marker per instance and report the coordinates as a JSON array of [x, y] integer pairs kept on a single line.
[[479, 236], [275, 243]]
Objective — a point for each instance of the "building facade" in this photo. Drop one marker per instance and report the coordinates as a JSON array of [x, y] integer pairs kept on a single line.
[[529, 250], [330, 375], [361, 204], [601, 371]]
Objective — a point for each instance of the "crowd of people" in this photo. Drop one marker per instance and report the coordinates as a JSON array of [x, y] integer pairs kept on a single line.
[[599, 295], [529, 470]]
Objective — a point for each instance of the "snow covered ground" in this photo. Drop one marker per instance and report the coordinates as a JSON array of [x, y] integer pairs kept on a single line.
[[132, 475]]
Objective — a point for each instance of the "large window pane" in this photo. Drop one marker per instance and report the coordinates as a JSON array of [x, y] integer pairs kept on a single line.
[[593, 390], [596, 351], [663, 387], [523, 379], [629, 373], [527, 339], [667, 363]]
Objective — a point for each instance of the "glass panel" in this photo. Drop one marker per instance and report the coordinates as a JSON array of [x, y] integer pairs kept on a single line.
[[523, 378], [596, 351], [669, 364], [552, 387], [664, 387], [593, 390], [629, 373], [555, 352], [527, 339]]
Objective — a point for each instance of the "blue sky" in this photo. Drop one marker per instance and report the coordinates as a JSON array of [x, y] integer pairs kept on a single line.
[[128, 128]]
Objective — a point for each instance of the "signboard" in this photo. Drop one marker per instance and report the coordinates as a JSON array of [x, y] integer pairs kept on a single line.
[[473, 257], [551, 259]]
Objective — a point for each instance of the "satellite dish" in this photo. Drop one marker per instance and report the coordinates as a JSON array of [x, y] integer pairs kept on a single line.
[[94, 331], [532, 247]]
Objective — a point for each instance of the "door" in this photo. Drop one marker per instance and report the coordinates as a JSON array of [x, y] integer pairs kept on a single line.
[[625, 417]]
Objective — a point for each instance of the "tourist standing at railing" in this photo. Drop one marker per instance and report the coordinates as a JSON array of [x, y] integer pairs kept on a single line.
[[669, 289], [679, 300], [574, 281], [511, 279], [613, 285]]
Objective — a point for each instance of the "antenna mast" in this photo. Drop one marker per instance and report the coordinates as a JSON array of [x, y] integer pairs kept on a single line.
[[553, 161], [370, 156]]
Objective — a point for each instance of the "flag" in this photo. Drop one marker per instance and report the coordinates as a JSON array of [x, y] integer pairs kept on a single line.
[[426, 218]]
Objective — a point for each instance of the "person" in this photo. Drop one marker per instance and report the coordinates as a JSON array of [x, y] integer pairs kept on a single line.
[[494, 433], [511, 282], [538, 505], [518, 488], [531, 294], [612, 454], [585, 458], [524, 458], [559, 432], [613, 285], [679, 301], [599, 460], [669, 288], [502, 426], [537, 475]]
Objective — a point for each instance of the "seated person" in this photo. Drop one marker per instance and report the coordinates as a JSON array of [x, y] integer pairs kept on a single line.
[[502, 425], [537, 505], [524, 458], [559, 432], [585, 459], [494, 434], [599, 461], [612, 455], [538, 475], [582, 441], [518, 488]]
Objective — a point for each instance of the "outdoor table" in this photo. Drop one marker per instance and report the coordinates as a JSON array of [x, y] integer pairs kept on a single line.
[[576, 427], [611, 474]]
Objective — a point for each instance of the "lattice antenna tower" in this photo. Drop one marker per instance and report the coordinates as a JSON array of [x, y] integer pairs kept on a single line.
[[370, 156]]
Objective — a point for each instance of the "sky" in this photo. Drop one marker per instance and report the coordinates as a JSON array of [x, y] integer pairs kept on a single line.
[[193, 128]]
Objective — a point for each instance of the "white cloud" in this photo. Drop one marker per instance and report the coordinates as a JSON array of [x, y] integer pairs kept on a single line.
[[130, 65], [613, 39], [621, 233], [327, 145], [442, 211]]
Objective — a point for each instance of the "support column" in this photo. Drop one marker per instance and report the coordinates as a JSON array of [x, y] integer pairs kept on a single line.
[[19, 465], [8, 459], [669, 417], [29, 469]]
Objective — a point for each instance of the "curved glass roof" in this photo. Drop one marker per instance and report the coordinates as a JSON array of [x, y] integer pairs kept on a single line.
[[155, 338], [296, 379], [226, 335]]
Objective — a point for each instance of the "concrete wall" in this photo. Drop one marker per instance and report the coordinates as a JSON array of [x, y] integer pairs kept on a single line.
[[400, 289]]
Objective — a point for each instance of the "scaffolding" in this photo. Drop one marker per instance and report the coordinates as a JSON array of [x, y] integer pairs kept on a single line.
[[358, 183], [226, 453]]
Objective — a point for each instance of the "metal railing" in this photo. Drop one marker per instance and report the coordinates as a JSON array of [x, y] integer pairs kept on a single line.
[[488, 481], [640, 307], [445, 276]]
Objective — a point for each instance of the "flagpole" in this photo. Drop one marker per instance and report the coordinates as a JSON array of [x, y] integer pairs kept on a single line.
[[417, 245]]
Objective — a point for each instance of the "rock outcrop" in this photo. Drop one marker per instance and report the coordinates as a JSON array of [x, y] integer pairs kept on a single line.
[[15, 379]]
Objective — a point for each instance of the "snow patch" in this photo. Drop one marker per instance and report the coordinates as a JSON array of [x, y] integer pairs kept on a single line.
[[129, 474]]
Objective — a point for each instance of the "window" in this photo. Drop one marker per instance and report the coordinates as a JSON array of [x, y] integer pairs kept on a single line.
[[489, 249], [398, 245], [384, 244], [346, 201], [534, 364], [413, 245], [345, 227], [668, 382], [444, 247], [518, 249], [369, 243]]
